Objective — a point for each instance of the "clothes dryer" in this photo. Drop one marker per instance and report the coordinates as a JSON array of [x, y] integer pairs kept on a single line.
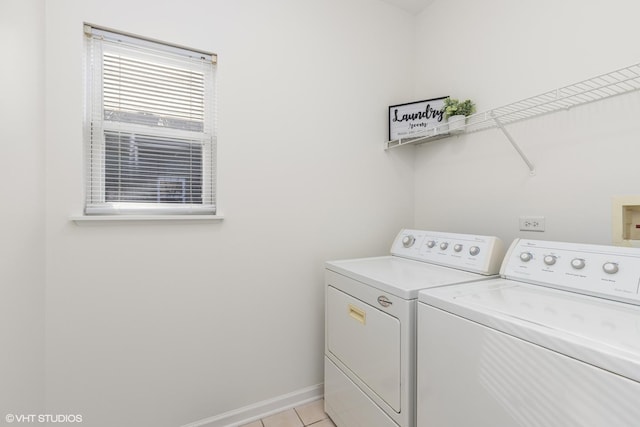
[[555, 342], [371, 320]]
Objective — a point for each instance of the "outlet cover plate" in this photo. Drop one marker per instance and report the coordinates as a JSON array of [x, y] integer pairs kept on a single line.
[[531, 223]]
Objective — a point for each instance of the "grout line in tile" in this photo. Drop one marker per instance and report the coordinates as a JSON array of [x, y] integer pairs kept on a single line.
[[298, 415], [306, 405], [299, 418]]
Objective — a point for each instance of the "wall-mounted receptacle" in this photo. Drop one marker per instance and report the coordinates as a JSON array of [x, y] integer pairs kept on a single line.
[[625, 220], [531, 223]]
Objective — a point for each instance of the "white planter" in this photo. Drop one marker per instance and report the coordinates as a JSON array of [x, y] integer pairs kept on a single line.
[[456, 123]]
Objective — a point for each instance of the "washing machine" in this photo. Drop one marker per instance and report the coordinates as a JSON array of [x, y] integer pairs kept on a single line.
[[554, 342], [370, 321]]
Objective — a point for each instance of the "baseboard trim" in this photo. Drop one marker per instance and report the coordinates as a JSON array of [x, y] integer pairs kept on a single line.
[[256, 411]]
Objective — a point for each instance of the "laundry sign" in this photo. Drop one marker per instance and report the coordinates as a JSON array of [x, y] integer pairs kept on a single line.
[[412, 119]]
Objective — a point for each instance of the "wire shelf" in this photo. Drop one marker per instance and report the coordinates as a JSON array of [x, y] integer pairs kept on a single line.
[[594, 89]]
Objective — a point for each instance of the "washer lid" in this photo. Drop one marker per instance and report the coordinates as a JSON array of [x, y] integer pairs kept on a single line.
[[601, 332], [400, 276]]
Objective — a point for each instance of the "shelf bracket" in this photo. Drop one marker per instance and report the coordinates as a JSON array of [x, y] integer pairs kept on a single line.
[[532, 169]]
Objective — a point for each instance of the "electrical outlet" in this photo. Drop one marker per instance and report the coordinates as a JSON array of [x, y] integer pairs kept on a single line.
[[531, 223]]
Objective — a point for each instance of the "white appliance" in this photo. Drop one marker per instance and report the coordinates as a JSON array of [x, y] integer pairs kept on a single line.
[[371, 315], [555, 342]]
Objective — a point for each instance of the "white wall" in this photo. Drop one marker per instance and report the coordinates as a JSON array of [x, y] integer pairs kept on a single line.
[[22, 217], [165, 324], [496, 52]]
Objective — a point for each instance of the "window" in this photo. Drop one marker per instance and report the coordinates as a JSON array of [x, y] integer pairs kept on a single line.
[[149, 127]]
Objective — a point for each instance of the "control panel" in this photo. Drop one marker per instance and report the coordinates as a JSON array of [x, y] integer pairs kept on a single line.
[[606, 271], [478, 254]]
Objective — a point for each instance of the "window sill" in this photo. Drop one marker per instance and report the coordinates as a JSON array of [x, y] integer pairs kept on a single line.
[[80, 219]]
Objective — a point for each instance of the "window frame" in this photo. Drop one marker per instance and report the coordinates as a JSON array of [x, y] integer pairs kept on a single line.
[[96, 127]]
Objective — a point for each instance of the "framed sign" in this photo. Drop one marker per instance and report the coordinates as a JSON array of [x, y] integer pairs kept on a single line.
[[412, 119]]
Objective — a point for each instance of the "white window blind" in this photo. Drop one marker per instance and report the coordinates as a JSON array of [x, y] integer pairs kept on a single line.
[[150, 127]]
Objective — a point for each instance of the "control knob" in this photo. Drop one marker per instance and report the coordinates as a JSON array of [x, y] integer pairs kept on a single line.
[[578, 263], [526, 256], [431, 243], [610, 267], [444, 245], [550, 259], [474, 250], [408, 241], [457, 247]]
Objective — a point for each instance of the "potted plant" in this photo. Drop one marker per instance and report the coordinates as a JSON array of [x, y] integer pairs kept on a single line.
[[456, 112]]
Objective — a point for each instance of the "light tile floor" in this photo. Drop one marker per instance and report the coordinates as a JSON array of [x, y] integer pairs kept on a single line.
[[311, 414]]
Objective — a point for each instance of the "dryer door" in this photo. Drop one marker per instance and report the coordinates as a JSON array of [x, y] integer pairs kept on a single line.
[[367, 341]]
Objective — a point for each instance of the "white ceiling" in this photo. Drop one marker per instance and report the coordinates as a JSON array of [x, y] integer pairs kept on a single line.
[[412, 6]]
